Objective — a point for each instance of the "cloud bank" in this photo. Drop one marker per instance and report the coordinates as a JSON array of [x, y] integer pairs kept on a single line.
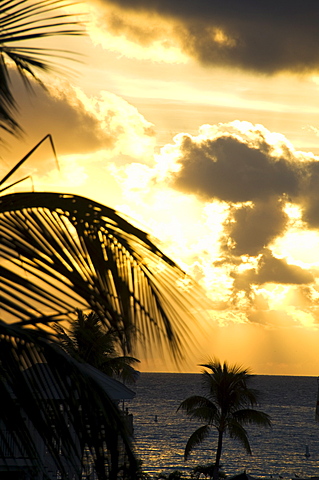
[[222, 202], [266, 37]]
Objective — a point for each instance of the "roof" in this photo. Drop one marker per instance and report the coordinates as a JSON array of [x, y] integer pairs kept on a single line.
[[115, 389]]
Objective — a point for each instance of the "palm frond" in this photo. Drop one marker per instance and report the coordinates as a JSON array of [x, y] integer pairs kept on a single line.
[[228, 385], [87, 340], [23, 25], [121, 368], [237, 431], [60, 253], [249, 415], [200, 408], [195, 439]]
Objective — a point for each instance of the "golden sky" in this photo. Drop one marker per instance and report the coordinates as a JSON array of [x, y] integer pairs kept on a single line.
[[200, 121]]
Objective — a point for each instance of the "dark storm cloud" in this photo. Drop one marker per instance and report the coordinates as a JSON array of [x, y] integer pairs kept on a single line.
[[309, 198], [265, 36]]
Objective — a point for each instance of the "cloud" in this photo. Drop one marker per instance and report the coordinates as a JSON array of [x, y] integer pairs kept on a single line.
[[224, 202], [277, 270], [266, 37], [230, 170], [142, 35], [85, 130], [273, 318], [249, 228], [270, 269], [254, 172], [62, 113], [309, 196]]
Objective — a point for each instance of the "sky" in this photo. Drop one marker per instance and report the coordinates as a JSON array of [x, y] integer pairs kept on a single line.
[[200, 121]]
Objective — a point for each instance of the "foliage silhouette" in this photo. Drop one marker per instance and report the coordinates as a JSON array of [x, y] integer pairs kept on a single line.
[[61, 252], [37, 379]]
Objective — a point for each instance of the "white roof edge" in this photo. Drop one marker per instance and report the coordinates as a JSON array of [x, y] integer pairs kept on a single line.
[[115, 389]]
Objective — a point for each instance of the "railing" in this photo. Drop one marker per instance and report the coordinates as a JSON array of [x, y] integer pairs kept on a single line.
[[9, 448]]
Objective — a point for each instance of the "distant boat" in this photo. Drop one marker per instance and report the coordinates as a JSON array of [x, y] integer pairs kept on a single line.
[[307, 454]]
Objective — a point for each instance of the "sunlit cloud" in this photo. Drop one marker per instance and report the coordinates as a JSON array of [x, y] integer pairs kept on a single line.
[[140, 35], [87, 132], [225, 203], [232, 205]]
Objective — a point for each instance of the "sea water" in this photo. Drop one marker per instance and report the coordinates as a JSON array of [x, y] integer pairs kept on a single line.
[[161, 432]]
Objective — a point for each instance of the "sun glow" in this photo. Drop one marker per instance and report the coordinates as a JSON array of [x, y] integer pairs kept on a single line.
[[299, 247], [171, 126]]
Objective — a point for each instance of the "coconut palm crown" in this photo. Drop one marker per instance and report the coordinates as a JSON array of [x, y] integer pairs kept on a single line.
[[228, 406], [88, 340]]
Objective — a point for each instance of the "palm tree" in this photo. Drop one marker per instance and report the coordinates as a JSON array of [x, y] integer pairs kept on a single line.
[[87, 339], [60, 253], [227, 406], [23, 25]]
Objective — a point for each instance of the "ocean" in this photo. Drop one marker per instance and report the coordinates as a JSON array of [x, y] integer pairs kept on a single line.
[[161, 433]]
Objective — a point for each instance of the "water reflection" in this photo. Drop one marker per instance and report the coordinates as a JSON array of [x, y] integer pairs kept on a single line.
[[280, 451]]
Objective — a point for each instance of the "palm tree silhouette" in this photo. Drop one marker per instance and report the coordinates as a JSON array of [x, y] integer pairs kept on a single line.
[[227, 406], [87, 339]]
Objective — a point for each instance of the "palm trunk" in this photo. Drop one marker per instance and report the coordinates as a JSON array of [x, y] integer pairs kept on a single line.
[[218, 454]]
